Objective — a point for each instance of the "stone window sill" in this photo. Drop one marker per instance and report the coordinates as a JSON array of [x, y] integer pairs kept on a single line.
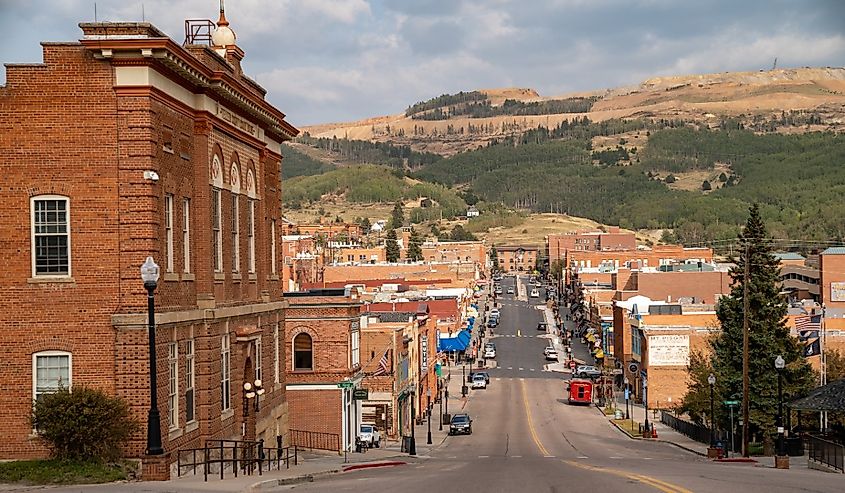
[[219, 277], [170, 276], [48, 280], [189, 276]]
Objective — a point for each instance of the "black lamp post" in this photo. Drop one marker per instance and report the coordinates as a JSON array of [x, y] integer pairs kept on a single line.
[[428, 406], [446, 395], [464, 379], [252, 390], [645, 405], [779, 365], [149, 274], [627, 398], [441, 411], [412, 447], [712, 381]]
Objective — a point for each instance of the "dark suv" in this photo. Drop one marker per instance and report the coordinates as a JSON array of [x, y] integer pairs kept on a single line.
[[461, 424]]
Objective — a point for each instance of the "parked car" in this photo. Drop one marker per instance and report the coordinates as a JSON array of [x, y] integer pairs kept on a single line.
[[479, 382], [489, 345], [494, 313], [368, 433], [485, 375], [587, 371], [461, 424], [535, 293], [551, 354], [510, 290], [547, 349], [493, 322], [490, 353], [542, 326]]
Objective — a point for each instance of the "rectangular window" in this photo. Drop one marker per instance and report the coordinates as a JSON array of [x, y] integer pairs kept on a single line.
[[273, 246], [189, 380], [173, 384], [50, 236], [225, 380], [276, 368], [51, 370], [258, 358], [236, 236], [356, 353], [217, 232], [250, 228], [186, 235], [168, 231]]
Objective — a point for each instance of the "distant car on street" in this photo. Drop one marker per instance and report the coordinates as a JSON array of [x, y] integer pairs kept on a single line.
[[510, 290], [587, 371], [461, 424], [494, 313], [551, 354], [479, 382], [485, 375], [369, 434], [542, 326], [535, 293], [490, 353]]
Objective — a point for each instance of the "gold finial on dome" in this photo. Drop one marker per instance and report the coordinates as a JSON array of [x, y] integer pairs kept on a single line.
[[222, 21], [223, 36]]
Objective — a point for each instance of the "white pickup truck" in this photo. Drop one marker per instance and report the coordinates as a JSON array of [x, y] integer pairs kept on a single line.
[[369, 434]]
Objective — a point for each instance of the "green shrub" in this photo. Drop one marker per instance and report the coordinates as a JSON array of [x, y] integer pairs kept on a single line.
[[83, 424]]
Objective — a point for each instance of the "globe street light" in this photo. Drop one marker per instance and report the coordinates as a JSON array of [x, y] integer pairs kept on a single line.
[[779, 365], [712, 381], [149, 274], [252, 390]]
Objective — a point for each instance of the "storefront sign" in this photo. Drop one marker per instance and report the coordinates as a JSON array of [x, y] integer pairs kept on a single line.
[[361, 394], [423, 354]]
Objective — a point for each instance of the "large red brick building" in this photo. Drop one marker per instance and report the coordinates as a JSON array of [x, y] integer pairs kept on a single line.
[[120, 146]]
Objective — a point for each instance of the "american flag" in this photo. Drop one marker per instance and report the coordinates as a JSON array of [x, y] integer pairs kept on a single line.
[[808, 326], [382, 365]]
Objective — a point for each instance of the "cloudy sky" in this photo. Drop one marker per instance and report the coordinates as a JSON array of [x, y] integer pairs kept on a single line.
[[341, 60]]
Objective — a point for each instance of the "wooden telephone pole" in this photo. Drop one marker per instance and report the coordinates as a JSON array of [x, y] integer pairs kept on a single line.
[[745, 379]]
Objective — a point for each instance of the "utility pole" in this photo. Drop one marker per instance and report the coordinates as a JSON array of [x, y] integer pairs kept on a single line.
[[745, 380]]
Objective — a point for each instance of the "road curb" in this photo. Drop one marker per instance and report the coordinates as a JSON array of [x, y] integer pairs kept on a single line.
[[682, 447], [302, 478], [370, 465]]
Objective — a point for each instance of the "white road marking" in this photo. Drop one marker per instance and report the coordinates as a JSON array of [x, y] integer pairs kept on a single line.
[[509, 368], [516, 456], [549, 456], [521, 369], [453, 457], [483, 456], [583, 457], [614, 457], [532, 369]]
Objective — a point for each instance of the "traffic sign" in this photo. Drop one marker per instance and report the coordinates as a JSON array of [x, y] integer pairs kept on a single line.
[[345, 385], [731, 403], [633, 368]]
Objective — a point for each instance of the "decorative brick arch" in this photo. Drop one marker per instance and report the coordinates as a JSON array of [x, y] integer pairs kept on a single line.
[[251, 190], [296, 332], [217, 167], [234, 175]]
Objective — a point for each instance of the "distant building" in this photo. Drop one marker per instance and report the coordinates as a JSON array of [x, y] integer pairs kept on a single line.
[[378, 226], [517, 258], [613, 239], [472, 211]]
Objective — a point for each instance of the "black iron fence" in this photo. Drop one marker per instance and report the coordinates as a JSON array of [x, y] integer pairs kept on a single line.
[[826, 452], [315, 440], [235, 456], [697, 432]]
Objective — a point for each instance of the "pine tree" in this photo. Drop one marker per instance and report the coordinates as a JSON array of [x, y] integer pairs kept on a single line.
[[397, 217], [494, 259], [414, 253], [768, 338], [391, 249]]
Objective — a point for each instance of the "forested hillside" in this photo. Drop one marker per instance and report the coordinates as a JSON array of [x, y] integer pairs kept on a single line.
[[296, 163]]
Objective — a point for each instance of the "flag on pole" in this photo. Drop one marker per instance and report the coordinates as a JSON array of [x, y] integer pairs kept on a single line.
[[382, 365], [808, 326], [813, 349]]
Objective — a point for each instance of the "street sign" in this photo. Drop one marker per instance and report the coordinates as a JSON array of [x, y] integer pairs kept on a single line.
[[731, 403], [345, 385], [633, 368], [361, 394]]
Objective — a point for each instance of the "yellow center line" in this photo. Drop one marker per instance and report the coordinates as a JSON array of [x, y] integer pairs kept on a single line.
[[530, 423], [653, 482]]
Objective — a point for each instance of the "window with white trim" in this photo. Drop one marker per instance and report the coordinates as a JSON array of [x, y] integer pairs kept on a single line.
[[276, 368], [173, 384], [50, 235], [273, 246], [186, 234], [226, 373], [356, 348], [216, 230], [168, 231], [190, 372], [51, 371], [250, 231], [258, 358], [236, 235]]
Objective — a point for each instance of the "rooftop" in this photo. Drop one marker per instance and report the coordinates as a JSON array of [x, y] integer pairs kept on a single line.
[[834, 251]]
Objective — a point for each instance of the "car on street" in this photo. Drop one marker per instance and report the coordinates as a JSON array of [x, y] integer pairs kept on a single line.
[[498, 290], [542, 326], [479, 382], [535, 293], [490, 353], [587, 371], [551, 354], [368, 433], [510, 290], [493, 322], [461, 424], [494, 313], [483, 374]]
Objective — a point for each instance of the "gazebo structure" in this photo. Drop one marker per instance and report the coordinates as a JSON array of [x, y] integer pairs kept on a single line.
[[828, 451]]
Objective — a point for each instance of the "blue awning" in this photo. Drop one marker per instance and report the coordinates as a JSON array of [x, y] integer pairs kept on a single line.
[[457, 343]]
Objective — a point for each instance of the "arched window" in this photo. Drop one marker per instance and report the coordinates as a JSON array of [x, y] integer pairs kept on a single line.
[[303, 352]]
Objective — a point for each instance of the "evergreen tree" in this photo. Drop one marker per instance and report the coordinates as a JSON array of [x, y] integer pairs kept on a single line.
[[768, 338], [397, 217], [460, 234], [391, 249], [494, 259], [365, 225], [414, 253]]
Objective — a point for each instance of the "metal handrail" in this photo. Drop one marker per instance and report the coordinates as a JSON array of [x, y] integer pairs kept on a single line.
[[248, 456], [315, 440], [826, 452]]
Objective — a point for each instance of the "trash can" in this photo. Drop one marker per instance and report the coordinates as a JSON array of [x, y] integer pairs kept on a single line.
[[446, 419], [794, 446]]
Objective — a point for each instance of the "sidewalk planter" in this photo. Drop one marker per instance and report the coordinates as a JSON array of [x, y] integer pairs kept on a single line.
[[781, 462]]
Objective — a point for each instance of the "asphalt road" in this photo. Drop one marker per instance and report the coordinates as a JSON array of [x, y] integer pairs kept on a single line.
[[527, 439]]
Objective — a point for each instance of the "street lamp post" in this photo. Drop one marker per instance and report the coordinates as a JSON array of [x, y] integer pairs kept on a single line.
[[412, 447], [464, 379], [252, 390], [779, 365], [645, 405], [627, 397], [149, 274], [712, 381], [440, 419], [428, 405]]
